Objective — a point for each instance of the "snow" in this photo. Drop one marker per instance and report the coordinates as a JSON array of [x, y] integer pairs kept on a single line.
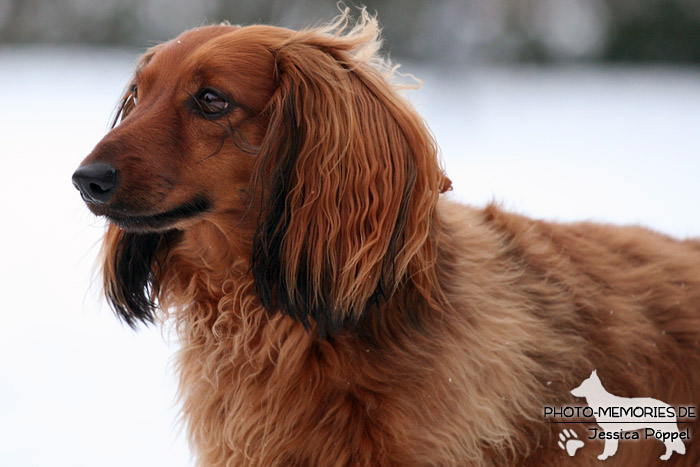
[[612, 145], [78, 389]]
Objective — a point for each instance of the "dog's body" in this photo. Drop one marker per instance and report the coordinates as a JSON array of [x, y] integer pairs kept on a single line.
[[280, 201]]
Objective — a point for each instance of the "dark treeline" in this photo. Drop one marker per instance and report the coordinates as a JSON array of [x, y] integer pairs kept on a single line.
[[493, 30]]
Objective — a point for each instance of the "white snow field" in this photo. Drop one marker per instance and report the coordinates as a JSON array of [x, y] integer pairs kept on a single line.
[[77, 388]]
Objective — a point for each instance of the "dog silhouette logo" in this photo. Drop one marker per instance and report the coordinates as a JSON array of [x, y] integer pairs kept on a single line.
[[618, 415]]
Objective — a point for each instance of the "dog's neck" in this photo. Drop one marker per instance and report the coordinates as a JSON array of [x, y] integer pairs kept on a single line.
[[209, 262], [240, 363], [233, 350]]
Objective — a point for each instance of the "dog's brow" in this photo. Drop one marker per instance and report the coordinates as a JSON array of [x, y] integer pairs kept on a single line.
[[142, 64]]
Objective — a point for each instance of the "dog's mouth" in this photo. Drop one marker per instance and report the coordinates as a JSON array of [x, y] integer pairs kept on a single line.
[[159, 221]]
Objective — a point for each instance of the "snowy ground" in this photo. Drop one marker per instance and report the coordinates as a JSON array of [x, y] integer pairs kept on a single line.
[[77, 389]]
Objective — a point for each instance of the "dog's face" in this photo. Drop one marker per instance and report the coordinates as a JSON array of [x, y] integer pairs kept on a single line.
[[185, 148], [293, 145]]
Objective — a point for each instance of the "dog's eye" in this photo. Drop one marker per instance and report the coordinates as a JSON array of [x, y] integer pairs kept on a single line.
[[212, 103], [134, 93]]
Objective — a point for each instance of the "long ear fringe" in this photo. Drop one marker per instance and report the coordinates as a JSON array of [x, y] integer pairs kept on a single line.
[[130, 273], [350, 180]]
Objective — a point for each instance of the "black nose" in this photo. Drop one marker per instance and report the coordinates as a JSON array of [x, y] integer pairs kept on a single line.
[[97, 182]]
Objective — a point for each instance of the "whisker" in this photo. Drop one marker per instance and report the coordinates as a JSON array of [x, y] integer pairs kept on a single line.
[[221, 145]]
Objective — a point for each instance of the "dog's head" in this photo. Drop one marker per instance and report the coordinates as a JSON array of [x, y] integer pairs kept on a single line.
[[295, 138]]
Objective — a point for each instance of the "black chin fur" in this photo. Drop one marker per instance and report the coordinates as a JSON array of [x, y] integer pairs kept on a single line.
[[130, 292]]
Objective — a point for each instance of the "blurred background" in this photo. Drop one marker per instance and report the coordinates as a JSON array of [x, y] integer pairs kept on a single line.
[[558, 109], [541, 31]]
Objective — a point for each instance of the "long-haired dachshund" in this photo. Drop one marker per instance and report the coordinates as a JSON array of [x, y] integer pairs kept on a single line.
[[279, 202]]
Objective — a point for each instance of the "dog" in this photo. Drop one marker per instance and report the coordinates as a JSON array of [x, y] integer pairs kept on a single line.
[[603, 403], [273, 197]]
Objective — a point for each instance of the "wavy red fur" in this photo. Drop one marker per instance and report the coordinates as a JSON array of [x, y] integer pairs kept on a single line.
[[331, 309]]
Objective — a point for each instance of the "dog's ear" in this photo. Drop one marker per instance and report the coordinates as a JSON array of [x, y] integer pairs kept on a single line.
[[130, 273], [350, 178]]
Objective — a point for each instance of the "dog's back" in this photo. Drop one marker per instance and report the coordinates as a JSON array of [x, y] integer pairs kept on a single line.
[[552, 302]]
